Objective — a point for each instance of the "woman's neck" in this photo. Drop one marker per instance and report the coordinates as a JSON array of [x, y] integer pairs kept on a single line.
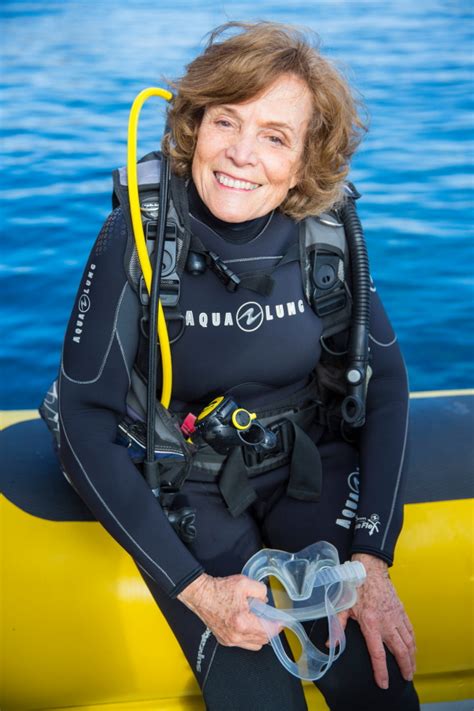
[[231, 231]]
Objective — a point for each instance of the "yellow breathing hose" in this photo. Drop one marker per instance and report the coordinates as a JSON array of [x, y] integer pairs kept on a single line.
[[139, 235]]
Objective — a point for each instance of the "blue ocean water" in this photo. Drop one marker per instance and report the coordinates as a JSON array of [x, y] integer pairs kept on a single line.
[[69, 72]]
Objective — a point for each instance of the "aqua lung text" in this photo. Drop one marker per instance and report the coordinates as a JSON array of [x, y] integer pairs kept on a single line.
[[83, 305], [248, 317]]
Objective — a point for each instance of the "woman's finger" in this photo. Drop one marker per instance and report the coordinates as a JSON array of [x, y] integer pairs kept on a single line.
[[377, 655], [408, 627], [402, 654], [252, 588], [407, 635]]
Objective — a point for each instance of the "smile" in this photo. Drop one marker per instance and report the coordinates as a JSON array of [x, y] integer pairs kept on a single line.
[[229, 182]]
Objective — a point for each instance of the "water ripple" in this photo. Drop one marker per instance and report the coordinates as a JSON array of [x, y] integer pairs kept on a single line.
[[64, 119]]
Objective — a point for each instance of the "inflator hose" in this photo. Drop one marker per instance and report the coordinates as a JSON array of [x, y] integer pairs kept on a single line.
[[140, 242], [152, 280], [353, 405]]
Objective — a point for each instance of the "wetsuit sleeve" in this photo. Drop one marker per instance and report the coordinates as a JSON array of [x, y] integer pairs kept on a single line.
[[382, 442], [99, 351]]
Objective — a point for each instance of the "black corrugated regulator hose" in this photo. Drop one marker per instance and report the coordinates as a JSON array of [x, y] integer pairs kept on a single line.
[[150, 465], [353, 406]]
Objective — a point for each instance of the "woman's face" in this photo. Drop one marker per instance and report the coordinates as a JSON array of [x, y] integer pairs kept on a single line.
[[248, 155]]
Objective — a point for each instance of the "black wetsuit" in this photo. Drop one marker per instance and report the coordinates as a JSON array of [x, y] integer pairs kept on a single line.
[[259, 348]]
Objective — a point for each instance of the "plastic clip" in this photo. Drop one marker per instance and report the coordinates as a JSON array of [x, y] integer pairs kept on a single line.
[[222, 271]]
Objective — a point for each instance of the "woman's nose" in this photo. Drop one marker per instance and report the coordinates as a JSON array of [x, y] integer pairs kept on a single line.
[[243, 151]]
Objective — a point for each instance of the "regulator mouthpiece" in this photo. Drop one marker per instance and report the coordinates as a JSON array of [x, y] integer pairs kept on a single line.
[[313, 585]]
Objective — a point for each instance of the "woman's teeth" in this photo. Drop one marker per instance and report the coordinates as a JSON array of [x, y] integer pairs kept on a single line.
[[231, 183]]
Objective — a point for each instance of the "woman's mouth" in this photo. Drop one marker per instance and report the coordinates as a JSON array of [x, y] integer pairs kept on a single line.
[[228, 182]]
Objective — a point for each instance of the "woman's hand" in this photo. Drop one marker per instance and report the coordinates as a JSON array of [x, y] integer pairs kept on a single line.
[[223, 605], [383, 620]]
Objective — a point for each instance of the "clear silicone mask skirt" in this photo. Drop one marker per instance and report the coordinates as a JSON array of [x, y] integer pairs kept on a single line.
[[313, 585]]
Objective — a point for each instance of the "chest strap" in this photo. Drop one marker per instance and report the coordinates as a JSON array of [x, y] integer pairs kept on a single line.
[[259, 282]]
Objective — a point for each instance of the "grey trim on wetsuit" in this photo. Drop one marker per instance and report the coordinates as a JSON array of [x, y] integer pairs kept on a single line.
[[382, 443], [99, 351]]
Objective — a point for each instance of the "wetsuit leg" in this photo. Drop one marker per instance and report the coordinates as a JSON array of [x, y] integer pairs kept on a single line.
[[230, 678], [292, 525]]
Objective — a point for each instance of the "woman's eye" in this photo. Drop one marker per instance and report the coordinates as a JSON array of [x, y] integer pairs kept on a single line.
[[223, 122], [277, 140]]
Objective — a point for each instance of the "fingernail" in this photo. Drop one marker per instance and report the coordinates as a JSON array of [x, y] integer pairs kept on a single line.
[[384, 684]]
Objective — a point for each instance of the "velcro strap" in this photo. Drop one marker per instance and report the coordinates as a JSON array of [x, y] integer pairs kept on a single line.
[[306, 472], [234, 484], [292, 255], [260, 283]]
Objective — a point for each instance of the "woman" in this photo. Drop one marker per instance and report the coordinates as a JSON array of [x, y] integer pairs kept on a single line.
[[262, 129]]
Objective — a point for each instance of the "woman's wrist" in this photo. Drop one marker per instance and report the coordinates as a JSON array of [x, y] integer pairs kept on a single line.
[[372, 564], [194, 591]]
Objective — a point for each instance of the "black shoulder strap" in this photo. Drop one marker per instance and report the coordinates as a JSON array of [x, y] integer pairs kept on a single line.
[[178, 231], [324, 259]]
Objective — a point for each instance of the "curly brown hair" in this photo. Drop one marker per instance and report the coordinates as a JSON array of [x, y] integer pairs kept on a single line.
[[236, 68]]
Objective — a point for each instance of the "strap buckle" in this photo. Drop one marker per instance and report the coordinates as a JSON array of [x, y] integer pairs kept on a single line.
[[170, 290], [222, 271], [329, 303], [170, 286]]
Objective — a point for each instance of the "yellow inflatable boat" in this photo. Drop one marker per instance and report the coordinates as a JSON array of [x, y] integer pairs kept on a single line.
[[80, 629]]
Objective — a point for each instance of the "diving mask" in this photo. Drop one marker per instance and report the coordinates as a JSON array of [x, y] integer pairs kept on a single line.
[[313, 585]]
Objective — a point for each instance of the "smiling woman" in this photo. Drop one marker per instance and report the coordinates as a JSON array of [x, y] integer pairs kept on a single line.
[[248, 156], [261, 241], [306, 102]]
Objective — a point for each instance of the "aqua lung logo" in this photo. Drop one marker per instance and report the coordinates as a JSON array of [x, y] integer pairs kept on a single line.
[[353, 481], [248, 317], [83, 305], [348, 513]]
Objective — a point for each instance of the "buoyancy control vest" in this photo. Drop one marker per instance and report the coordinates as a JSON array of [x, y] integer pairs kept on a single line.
[[324, 257], [322, 252]]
